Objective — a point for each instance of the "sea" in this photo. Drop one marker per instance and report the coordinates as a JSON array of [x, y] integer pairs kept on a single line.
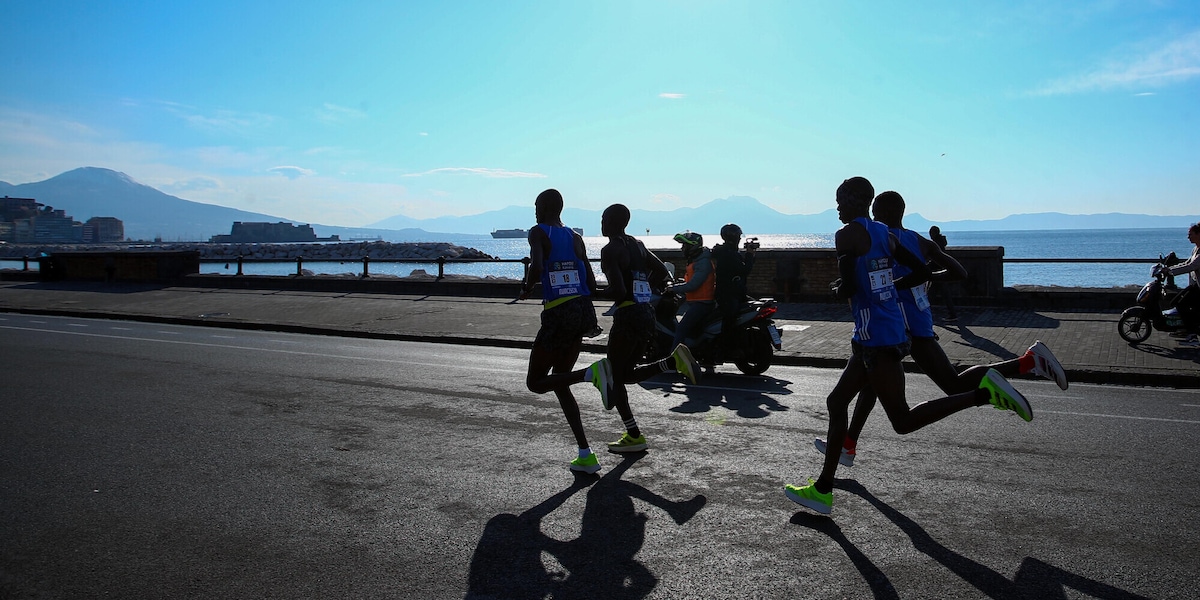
[[1138, 244]]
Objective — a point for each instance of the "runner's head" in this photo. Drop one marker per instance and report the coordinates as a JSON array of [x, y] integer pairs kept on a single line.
[[548, 207], [889, 209], [854, 198], [614, 220]]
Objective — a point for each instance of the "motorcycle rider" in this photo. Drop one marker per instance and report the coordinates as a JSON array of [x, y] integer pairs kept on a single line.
[[1188, 301], [699, 286], [732, 270]]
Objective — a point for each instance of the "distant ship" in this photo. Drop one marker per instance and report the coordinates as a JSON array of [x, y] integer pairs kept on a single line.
[[521, 233]]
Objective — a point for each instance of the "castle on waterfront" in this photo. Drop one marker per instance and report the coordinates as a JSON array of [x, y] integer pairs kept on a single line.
[[272, 233], [27, 221]]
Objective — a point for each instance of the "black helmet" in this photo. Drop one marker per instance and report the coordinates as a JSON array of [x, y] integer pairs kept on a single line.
[[731, 233], [692, 243], [689, 238]]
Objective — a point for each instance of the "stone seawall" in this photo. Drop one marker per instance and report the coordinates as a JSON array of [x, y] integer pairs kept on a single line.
[[309, 252]]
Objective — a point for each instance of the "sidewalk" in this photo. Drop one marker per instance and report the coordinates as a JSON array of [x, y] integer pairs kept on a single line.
[[1086, 342]]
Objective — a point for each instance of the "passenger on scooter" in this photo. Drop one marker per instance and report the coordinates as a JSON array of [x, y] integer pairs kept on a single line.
[[732, 270], [1188, 301], [699, 287]]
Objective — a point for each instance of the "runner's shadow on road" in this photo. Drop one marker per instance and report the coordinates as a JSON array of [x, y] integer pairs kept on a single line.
[[973, 340], [1034, 578], [515, 559], [748, 397]]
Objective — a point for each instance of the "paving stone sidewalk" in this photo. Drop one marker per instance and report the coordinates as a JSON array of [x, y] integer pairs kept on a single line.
[[1086, 342]]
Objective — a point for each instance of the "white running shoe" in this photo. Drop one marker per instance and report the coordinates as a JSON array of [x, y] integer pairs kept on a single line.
[[847, 457], [1046, 365]]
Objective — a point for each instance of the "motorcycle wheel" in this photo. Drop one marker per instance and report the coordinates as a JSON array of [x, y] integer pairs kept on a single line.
[[759, 352], [1134, 327]]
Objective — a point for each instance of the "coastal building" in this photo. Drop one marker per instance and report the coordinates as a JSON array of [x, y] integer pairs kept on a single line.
[[103, 229], [275, 233], [27, 221]]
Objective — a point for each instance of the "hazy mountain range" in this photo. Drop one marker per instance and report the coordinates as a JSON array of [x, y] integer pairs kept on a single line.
[[148, 214]]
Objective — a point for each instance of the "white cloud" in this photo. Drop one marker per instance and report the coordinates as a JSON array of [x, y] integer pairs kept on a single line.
[[486, 172], [332, 113], [671, 95], [193, 184], [292, 172], [1173, 62]]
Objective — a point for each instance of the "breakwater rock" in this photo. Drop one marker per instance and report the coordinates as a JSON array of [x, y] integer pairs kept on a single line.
[[253, 251]]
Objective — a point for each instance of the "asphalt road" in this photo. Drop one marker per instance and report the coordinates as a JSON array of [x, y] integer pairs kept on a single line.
[[147, 460]]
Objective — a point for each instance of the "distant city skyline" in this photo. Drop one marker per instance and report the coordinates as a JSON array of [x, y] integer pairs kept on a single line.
[[352, 113]]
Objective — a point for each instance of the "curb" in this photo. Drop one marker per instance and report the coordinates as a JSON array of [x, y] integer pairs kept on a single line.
[[1118, 377]]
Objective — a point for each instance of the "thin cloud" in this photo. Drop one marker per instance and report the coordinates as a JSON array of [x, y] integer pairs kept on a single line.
[[228, 122], [194, 184], [332, 113], [1174, 62], [485, 172], [292, 172], [671, 95]]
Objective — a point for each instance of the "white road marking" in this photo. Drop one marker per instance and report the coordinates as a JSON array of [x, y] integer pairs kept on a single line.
[[440, 365], [1133, 418]]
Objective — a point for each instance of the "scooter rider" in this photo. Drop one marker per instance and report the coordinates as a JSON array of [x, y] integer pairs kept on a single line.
[[1188, 301], [699, 286], [732, 270]]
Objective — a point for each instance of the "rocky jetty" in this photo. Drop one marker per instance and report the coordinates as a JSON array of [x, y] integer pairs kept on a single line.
[[252, 251]]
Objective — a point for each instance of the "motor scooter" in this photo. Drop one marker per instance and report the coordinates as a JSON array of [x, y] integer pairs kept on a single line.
[[1155, 306], [751, 348]]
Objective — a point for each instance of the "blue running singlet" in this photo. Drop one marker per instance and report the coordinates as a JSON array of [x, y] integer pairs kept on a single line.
[[564, 275], [914, 302], [877, 317]]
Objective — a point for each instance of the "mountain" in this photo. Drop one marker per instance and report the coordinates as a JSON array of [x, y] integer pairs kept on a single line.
[[755, 218], [148, 213]]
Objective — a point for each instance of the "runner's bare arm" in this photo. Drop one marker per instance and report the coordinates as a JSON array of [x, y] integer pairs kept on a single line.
[[952, 270], [538, 247]]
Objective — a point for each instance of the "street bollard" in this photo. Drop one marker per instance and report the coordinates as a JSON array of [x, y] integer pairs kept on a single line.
[[525, 261], [299, 266], [441, 267], [366, 261], [239, 264], [25, 259]]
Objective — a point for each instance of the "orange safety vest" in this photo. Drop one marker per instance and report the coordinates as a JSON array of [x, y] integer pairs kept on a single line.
[[707, 290]]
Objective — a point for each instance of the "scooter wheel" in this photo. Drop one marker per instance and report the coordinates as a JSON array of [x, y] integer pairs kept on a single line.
[[759, 352], [1134, 327]]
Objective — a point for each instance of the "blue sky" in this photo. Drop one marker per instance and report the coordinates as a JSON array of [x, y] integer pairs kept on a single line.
[[346, 113]]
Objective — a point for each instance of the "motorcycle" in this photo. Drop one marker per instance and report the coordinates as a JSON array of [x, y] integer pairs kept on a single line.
[[753, 346], [1148, 314]]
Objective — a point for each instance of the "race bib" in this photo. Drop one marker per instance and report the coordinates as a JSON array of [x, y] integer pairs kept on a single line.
[[920, 297], [641, 291], [880, 279], [565, 280]]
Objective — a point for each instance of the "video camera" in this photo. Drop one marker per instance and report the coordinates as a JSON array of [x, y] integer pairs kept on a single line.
[[751, 244]]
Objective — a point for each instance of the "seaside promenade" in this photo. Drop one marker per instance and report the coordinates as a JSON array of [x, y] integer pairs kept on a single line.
[[814, 334]]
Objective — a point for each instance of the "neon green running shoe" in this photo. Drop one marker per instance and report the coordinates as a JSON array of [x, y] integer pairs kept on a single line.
[[685, 364], [586, 464], [808, 497], [1004, 396], [601, 375], [628, 443]]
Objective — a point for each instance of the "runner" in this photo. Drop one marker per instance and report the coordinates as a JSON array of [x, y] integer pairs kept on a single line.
[[632, 272], [558, 260], [918, 321], [866, 252]]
